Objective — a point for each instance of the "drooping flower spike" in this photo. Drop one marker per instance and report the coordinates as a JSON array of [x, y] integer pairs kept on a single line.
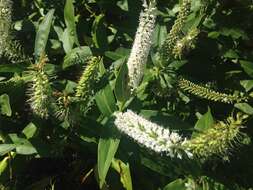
[[150, 135], [142, 43], [218, 140], [207, 93]]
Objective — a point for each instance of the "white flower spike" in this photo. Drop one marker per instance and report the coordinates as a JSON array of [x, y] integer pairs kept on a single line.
[[150, 135], [142, 43]]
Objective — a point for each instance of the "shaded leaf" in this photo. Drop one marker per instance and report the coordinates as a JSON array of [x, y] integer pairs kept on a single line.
[[122, 90], [6, 148], [105, 101], [246, 108], [178, 184], [5, 105], [107, 147]]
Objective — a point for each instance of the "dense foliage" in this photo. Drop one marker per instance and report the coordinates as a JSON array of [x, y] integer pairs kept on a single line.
[[126, 94]]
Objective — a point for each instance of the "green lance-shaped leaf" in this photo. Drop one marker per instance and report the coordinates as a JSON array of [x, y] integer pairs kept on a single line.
[[99, 35], [107, 148], [206, 93], [70, 31], [42, 35], [6, 148], [178, 184], [124, 172], [122, 90], [5, 107], [79, 55], [105, 101], [4, 164], [217, 140]]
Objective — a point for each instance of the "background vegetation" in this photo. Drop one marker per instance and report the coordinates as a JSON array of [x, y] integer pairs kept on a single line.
[[75, 146]]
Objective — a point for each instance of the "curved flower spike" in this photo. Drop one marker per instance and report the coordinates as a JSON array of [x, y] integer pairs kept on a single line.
[[150, 135]]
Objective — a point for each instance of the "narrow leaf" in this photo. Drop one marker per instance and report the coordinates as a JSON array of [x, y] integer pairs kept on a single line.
[[42, 35], [124, 172], [105, 101], [107, 147], [122, 91], [5, 107]]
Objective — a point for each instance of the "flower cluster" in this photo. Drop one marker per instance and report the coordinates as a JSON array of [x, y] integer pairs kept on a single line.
[[217, 140], [85, 84], [5, 23], [142, 43], [40, 92], [185, 44], [150, 135], [207, 93], [176, 33]]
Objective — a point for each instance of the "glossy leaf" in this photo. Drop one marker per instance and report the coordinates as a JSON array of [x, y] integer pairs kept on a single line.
[[76, 56], [99, 36], [105, 101], [124, 172], [178, 184], [42, 35], [246, 108], [122, 90], [107, 147], [6, 148]]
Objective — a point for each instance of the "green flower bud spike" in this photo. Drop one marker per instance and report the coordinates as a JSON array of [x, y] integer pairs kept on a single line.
[[84, 89], [218, 140], [40, 92], [208, 94], [176, 32]]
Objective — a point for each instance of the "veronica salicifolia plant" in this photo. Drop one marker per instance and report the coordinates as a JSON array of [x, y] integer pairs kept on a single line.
[[142, 43], [176, 32], [206, 93], [40, 92], [218, 140], [150, 135], [5, 23]]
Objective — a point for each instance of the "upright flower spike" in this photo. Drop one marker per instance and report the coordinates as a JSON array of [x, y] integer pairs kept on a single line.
[[150, 135], [5, 23], [176, 32], [40, 92], [208, 94], [142, 43], [218, 140], [84, 89]]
